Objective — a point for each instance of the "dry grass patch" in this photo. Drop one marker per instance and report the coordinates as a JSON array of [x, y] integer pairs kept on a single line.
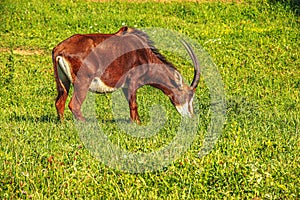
[[23, 52]]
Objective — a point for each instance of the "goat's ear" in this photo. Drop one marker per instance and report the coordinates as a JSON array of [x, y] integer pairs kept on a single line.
[[125, 28], [178, 79], [122, 31]]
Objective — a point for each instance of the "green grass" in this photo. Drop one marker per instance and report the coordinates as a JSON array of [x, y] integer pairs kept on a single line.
[[256, 48]]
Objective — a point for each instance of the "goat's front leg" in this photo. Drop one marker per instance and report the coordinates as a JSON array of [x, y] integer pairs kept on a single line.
[[130, 95]]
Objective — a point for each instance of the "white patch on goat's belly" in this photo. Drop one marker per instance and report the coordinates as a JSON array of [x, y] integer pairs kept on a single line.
[[99, 87]]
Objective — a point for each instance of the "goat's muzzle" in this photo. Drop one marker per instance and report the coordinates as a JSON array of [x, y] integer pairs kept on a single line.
[[186, 109]]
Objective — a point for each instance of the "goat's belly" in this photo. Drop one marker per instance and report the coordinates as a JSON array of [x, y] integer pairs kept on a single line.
[[98, 86]]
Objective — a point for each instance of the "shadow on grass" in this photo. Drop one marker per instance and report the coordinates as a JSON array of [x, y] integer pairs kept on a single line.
[[108, 121], [293, 5], [54, 119], [42, 119]]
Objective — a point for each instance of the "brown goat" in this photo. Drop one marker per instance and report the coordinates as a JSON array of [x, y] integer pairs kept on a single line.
[[127, 59]]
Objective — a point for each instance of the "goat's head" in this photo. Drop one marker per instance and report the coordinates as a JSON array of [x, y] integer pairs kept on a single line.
[[181, 94], [184, 102], [182, 97]]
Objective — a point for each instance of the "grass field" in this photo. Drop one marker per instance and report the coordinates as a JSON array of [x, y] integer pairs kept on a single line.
[[256, 47]]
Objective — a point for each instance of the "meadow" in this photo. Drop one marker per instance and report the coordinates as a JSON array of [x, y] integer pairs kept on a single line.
[[254, 44]]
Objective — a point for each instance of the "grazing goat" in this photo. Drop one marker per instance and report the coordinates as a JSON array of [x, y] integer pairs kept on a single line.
[[127, 59]]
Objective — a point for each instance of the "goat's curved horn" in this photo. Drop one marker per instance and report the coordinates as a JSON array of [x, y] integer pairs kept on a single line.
[[195, 63]]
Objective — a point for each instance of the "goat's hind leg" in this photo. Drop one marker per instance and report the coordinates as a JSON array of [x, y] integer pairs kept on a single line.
[[63, 90]]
